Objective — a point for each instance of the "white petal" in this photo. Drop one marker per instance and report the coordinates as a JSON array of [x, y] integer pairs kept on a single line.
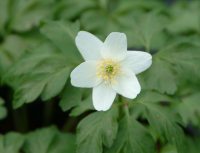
[[138, 61], [127, 85], [84, 75], [103, 96], [115, 46], [88, 45]]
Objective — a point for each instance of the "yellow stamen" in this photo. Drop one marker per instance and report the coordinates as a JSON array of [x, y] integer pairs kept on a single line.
[[108, 70]]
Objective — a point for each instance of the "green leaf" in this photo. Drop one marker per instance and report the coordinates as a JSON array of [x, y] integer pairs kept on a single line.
[[183, 56], [97, 130], [56, 83], [132, 138], [160, 77], [164, 123], [189, 108], [11, 49], [169, 149], [193, 145], [71, 97], [49, 140], [148, 36], [41, 72], [83, 106], [62, 35], [4, 15], [3, 110], [63, 143], [73, 9], [11, 143], [26, 15], [188, 21]]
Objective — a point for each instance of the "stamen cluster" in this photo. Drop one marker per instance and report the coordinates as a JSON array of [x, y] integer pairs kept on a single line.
[[108, 70]]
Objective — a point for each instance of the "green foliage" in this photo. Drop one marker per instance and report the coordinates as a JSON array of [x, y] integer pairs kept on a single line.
[[129, 138], [96, 130], [28, 14], [38, 53], [3, 111], [11, 143], [190, 105], [162, 121], [62, 35], [47, 140]]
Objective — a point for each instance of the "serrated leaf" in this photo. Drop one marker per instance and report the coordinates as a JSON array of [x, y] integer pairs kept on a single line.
[[160, 77], [148, 36], [73, 9], [189, 108], [26, 15], [169, 149], [71, 97], [164, 123], [63, 143], [92, 134], [132, 138], [49, 140], [11, 143], [63, 36], [185, 19], [40, 72], [56, 83], [183, 55], [83, 106], [29, 90]]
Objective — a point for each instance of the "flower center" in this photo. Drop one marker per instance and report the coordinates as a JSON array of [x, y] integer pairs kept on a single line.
[[108, 70]]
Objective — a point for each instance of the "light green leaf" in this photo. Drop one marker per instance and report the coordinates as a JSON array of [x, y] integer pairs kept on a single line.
[[185, 19], [11, 49], [26, 15], [40, 72], [164, 123], [71, 97], [160, 77], [97, 130], [189, 108], [83, 106], [73, 9], [49, 140], [132, 138], [56, 83], [63, 143], [148, 36], [62, 35], [11, 143], [169, 149]]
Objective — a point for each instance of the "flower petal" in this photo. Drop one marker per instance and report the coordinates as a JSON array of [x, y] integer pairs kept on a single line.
[[84, 75], [103, 96], [88, 45], [115, 46], [127, 85], [138, 61]]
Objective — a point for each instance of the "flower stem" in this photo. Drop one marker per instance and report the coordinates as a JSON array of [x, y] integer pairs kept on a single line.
[[127, 113]]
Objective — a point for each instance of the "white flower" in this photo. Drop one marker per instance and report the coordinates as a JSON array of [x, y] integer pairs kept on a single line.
[[108, 68]]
